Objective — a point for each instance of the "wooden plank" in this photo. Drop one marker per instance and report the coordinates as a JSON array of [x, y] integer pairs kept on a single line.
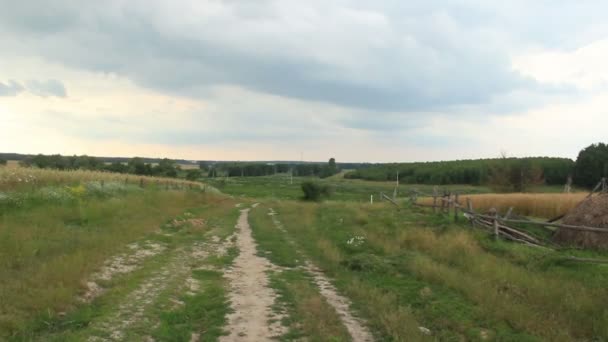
[[389, 199], [545, 224], [512, 230], [596, 188], [557, 218], [591, 260]]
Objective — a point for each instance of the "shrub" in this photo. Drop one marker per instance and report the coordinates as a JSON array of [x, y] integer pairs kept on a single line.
[[315, 191], [194, 174]]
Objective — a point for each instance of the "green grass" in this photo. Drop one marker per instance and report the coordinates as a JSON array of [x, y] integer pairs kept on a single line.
[[420, 268], [47, 250], [279, 187], [402, 270], [204, 312], [308, 314], [271, 243]]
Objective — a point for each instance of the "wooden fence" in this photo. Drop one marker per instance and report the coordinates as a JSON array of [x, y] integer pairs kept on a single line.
[[500, 226]]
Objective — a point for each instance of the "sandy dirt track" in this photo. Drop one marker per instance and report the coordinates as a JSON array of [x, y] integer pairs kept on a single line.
[[251, 298]]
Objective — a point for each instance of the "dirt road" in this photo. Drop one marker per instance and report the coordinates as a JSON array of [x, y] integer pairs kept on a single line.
[[251, 298]]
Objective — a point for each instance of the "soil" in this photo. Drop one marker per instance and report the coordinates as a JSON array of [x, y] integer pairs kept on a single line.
[[251, 297]]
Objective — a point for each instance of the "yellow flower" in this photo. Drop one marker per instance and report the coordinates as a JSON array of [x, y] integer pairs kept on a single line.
[[78, 191]]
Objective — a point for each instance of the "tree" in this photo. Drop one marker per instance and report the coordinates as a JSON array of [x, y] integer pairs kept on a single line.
[[193, 174], [510, 174], [591, 165], [166, 167], [138, 167], [117, 167], [315, 191], [330, 169]]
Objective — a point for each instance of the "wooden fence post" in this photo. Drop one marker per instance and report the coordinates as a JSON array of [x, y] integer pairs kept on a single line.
[[450, 203], [509, 212], [456, 206], [495, 222], [470, 210]]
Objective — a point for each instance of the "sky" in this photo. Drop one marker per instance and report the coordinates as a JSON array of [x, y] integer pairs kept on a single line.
[[361, 81]]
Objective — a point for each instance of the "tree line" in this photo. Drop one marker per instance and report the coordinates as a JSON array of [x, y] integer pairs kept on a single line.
[[170, 168], [256, 169], [506, 174], [164, 168], [475, 172]]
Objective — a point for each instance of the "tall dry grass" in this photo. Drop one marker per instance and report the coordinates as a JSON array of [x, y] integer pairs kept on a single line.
[[535, 205], [17, 178]]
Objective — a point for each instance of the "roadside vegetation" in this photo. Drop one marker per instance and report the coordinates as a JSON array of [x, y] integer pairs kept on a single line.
[[28, 178], [60, 228], [409, 269], [48, 250]]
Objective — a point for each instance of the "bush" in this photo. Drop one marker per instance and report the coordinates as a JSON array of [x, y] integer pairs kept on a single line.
[[2, 162], [315, 191], [194, 174]]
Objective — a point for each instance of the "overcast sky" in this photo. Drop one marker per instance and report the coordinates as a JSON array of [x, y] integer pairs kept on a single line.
[[273, 79]]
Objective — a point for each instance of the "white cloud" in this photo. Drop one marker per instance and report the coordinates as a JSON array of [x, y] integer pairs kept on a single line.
[[584, 67]]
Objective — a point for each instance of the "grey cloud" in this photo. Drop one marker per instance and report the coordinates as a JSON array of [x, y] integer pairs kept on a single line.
[[46, 88], [202, 130], [11, 88], [36, 87], [384, 56]]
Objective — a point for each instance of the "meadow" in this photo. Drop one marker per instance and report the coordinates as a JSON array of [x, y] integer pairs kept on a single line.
[[408, 269], [16, 178], [160, 259], [284, 188]]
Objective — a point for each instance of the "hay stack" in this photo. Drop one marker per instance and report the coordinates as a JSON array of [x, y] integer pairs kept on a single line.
[[592, 212]]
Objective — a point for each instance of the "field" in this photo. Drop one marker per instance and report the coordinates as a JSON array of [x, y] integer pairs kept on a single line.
[[255, 262], [282, 187], [544, 205], [13, 178]]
